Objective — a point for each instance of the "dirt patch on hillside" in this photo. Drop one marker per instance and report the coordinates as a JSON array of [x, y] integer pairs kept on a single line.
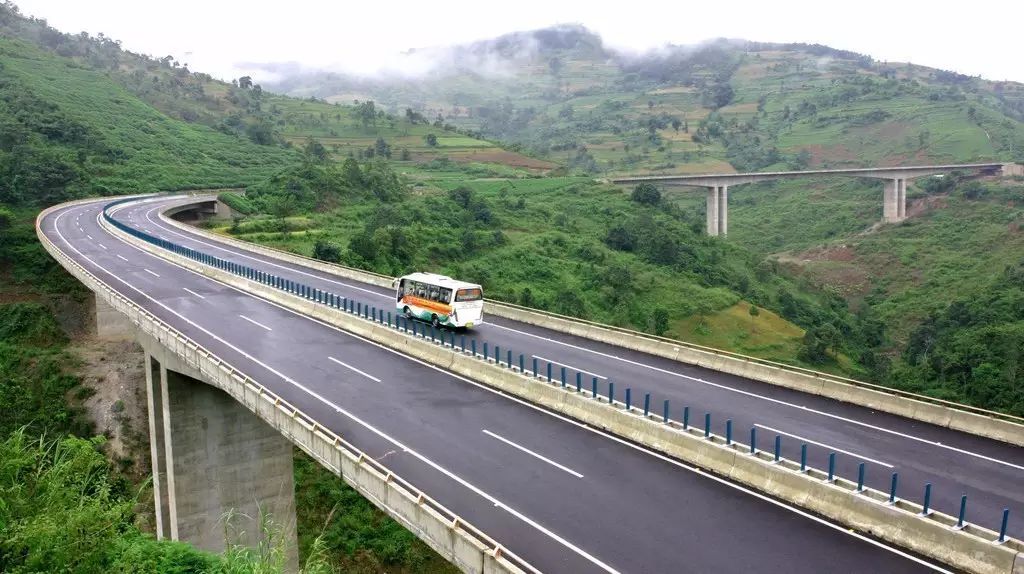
[[113, 371], [925, 204]]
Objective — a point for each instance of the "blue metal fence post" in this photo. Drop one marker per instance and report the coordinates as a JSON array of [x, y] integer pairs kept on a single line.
[[892, 488], [463, 343], [497, 355], [389, 320], [1002, 529], [473, 342], [728, 431], [925, 510], [433, 333], [579, 381], [831, 466], [686, 418], [753, 440], [860, 477], [593, 388], [629, 399], [508, 359], [359, 309], [803, 457], [647, 403], [707, 425], [563, 377], [535, 373], [963, 511], [664, 411], [549, 371], [485, 351], [611, 393], [452, 339], [778, 448], [522, 359]]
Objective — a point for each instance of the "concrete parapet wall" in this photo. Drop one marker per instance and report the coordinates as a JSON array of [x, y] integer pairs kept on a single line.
[[846, 390], [971, 549], [456, 540]]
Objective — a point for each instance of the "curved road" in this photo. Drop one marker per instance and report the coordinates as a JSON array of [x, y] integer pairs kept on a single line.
[[989, 472], [563, 496]]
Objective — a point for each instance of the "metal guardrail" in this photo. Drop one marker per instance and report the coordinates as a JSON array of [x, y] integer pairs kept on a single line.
[[712, 350], [643, 403], [421, 497]]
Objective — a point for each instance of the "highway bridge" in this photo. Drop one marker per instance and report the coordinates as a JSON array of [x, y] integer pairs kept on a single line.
[[894, 189], [554, 494]]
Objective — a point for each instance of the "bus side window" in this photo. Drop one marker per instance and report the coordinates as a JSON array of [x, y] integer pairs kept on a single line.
[[446, 295], [434, 293], [401, 289]]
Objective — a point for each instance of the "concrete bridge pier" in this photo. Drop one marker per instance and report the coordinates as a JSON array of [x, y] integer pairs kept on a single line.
[[894, 200], [718, 210], [213, 457]]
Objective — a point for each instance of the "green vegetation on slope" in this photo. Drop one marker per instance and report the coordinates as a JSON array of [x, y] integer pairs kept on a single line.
[[565, 244]]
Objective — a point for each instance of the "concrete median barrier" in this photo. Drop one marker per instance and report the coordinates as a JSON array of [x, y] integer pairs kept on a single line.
[[925, 409], [971, 549]]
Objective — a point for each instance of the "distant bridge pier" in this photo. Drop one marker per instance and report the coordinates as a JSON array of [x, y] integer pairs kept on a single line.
[[894, 200], [211, 456], [718, 210]]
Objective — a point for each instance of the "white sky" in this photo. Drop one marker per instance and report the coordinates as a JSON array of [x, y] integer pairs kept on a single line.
[[977, 38]]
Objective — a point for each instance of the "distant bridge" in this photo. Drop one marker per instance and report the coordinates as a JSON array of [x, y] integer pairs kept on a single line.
[[894, 198]]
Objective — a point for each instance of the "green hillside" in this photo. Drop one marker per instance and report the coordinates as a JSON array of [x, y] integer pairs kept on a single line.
[[719, 106]]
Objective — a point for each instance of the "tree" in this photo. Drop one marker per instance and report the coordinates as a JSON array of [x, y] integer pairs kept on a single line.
[[431, 140], [326, 251], [367, 113], [659, 321], [621, 238], [261, 133], [245, 82], [461, 195], [676, 124], [382, 148], [315, 150], [406, 156], [646, 194]]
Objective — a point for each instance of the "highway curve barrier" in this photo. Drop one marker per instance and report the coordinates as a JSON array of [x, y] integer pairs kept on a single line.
[[964, 418], [971, 548]]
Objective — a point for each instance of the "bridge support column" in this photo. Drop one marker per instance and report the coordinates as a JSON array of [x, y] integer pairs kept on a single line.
[[718, 210], [894, 201], [211, 457]]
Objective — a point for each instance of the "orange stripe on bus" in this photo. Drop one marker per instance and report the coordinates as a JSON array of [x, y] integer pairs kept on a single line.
[[427, 304]]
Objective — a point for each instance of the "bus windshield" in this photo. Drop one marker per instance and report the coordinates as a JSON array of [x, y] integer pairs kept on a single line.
[[468, 295]]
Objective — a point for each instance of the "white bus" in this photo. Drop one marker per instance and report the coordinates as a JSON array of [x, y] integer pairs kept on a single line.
[[439, 299]]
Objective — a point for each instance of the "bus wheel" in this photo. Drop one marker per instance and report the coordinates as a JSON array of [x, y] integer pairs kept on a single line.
[[435, 322], [408, 313]]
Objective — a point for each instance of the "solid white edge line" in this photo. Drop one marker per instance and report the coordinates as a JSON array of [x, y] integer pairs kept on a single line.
[[536, 525], [531, 453], [348, 366], [257, 323], [695, 379], [569, 367], [150, 272], [193, 292], [525, 403], [772, 400], [807, 440]]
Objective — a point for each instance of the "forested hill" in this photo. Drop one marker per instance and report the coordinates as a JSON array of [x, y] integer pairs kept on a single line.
[[718, 106]]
